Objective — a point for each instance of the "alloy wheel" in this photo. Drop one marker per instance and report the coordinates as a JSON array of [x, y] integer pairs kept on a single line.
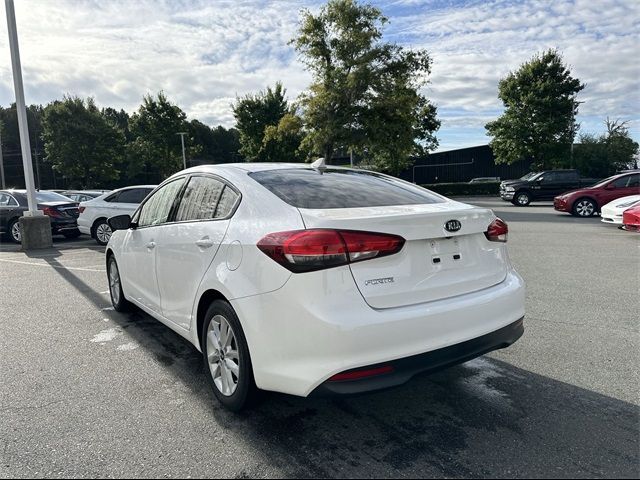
[[585, 208], [222, 355], [15, 232], [523, 199], [103, 233], [114, 282]]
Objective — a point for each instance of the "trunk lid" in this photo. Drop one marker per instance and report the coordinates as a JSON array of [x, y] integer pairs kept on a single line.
[[65, 209], [433, 264]]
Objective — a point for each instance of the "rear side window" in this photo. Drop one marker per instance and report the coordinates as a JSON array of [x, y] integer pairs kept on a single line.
[[132, 195], [7, 200], [206, 198], [307, 188]]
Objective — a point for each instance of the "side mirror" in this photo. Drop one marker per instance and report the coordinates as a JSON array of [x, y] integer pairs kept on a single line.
[[610, 187], [539, 180], [120, 222]]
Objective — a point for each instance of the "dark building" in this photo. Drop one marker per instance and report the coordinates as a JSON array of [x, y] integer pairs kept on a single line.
[[461, 166]]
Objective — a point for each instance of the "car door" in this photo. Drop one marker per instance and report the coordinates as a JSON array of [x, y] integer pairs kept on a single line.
[[139, 249], [9, 208], [550, 185], [187, 247]]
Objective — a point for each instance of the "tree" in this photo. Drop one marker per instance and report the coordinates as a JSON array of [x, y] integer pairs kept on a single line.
[[282, 142], [254, 113], [365, 94], [539, 118], [218, 145], [155, 141], [602, 156], [81, 144]]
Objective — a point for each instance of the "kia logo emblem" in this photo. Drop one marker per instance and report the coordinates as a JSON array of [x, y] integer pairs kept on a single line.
[[452, 226]]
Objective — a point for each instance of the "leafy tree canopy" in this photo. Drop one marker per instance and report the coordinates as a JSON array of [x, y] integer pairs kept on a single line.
[[81, 143], [538, 122], [254, 113], [366, 93]]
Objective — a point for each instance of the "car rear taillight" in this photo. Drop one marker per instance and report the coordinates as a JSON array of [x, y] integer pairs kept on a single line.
[[81, 209], [498, 231], [51, 212], [317, 249]]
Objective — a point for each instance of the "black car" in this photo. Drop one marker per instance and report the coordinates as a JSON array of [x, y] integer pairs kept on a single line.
[[62, 211], [542, 186]]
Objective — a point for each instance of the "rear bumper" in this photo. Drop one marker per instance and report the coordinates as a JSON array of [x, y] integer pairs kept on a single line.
[[404, 369], [64, 226], [318, 325]]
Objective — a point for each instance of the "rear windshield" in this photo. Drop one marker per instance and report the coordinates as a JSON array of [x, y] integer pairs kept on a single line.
[[51, 197], [308, 188]]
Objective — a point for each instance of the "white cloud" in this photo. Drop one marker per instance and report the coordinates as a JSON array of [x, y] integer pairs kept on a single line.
[[204, 53]]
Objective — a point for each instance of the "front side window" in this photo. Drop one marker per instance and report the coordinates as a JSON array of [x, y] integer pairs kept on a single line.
[[157, 208], [626, 181], [205, 198], [308, 188]]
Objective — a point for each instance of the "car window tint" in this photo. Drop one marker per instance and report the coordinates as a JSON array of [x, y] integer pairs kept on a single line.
[[307, 188], [200, 199], [626, 181], [634, 181], [157, 208], [7, 200], [132, 195], [565, 176]]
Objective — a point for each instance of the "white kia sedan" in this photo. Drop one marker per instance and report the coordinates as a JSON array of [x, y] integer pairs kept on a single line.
[[314, 281], [95, 213], [612, 211]]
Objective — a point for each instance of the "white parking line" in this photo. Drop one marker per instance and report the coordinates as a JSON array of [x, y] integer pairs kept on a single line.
[[53, 266]]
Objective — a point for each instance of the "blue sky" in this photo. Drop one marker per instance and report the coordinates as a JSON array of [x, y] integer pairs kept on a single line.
[[204, 53]]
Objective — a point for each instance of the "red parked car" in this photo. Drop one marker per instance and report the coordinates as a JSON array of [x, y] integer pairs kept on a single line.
[[587, 201], [631, 219]]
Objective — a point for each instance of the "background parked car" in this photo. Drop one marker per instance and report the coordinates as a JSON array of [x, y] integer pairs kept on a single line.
[[62, 211], [543, 186], [83, 195], [588, 201], [631, 219], [95, 213], [612, 211]]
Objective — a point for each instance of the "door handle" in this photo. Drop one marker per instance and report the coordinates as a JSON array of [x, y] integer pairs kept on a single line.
[[205, 243], [151, 245]]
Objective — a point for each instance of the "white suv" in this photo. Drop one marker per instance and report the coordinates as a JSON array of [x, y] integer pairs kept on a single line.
[[95, 213]]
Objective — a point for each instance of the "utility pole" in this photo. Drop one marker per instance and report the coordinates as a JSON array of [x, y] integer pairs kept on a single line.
[[35, 227], [184, 158]]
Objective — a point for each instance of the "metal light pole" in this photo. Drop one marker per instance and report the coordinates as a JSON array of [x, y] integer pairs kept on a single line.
[[35, 227], [184, 158], [22, 110], [3, 185]]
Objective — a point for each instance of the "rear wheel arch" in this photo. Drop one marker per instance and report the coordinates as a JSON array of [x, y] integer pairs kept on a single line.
[[95, 224], [206, 299]]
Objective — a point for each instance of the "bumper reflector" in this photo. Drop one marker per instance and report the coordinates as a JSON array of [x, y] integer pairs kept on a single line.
[[359, 374]]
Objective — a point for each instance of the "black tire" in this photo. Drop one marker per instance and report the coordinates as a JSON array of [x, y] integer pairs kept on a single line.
[[246, 392], [11, 232], [521, 199], [72, 234], [584, 207], [118, 300], [99, 227]]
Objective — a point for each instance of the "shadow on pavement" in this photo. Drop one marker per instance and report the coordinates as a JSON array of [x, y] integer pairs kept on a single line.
[[485, 418]]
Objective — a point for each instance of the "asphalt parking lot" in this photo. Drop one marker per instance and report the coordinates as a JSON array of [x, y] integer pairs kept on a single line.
[[86, 391]]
